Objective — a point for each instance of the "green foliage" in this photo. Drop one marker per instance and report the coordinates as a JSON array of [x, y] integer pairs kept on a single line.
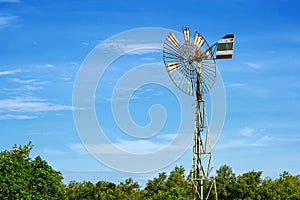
[[166, 187], [105, 190], [247, 185], [156, 187], [226, 181], [24, 178], [81, 190], [287, 186], [128, 190]]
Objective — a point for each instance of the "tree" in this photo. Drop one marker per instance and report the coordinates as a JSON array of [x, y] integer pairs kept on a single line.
[[268, 189], [247, 186], [80, 190], [128, 190], [105, 190], [22, 177], [226, 181], [174, 186], [176, 183], [287, 186], [166, 187], [156, 188]]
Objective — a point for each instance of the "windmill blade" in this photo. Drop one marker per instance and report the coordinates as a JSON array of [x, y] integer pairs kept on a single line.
[[186, 34], [171, 66], [225, 47], [208, 53], [172, 39], [198, 40]]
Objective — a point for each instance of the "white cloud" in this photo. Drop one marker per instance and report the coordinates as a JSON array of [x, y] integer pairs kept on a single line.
[[168, 137], [236, 85], [141, 146], [17, 80], [53, 152], [253, 65], [9, 72], [26, 85], [46, 65], [263, 141], [32, 88], [7, 20], [247, 132], [136, 47], [21, 104], [78, 148], [128, 146], [9, 116], [9, 1], [30, 84]]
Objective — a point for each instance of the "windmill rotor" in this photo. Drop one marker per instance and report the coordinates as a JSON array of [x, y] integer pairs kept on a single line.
[[184, 62]]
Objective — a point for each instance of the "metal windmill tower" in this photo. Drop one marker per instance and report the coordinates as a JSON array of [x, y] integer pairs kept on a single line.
[[192, 68]]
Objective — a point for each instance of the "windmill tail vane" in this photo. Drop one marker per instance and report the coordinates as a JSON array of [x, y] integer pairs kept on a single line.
[[223, 49]]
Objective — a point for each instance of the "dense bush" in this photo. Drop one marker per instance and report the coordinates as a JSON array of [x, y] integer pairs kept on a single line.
[[22, 177]]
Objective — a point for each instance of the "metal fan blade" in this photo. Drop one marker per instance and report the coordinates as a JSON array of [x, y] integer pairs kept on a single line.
[[171, 66], [198, 40], [186, 34], [172, 39], [208, 54]]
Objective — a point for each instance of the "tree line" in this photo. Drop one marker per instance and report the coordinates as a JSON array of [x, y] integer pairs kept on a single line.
[[23, 177]]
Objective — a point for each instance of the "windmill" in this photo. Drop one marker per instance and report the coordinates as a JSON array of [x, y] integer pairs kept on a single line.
[[192, 68]]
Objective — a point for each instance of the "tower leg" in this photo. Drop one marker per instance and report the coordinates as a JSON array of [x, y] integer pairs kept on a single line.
[[203, 183]]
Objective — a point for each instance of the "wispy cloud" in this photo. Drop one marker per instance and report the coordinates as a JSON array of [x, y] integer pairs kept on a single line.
[[236, 85], [29, 84], [10, 116], [135, 47], [17, 80], [253, 65], [32, 87], [53, 152], [5, 21], [28, 81], [78, 148], [46, 65], [168, 137], [129, 146], [247, 132], [30, 105], [9, 1], [141, 146], [9, 72], [242, 143]]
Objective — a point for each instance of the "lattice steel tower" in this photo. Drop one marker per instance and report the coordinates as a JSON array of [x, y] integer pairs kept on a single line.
[[192, 68]]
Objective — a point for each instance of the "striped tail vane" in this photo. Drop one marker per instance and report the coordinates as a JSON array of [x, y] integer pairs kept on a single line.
[[225, 47]]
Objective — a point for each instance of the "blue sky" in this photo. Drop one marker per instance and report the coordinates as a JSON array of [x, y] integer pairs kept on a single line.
[[43, 45]]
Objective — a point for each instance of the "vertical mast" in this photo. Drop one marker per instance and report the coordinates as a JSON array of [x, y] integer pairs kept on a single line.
[[203, 180]]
